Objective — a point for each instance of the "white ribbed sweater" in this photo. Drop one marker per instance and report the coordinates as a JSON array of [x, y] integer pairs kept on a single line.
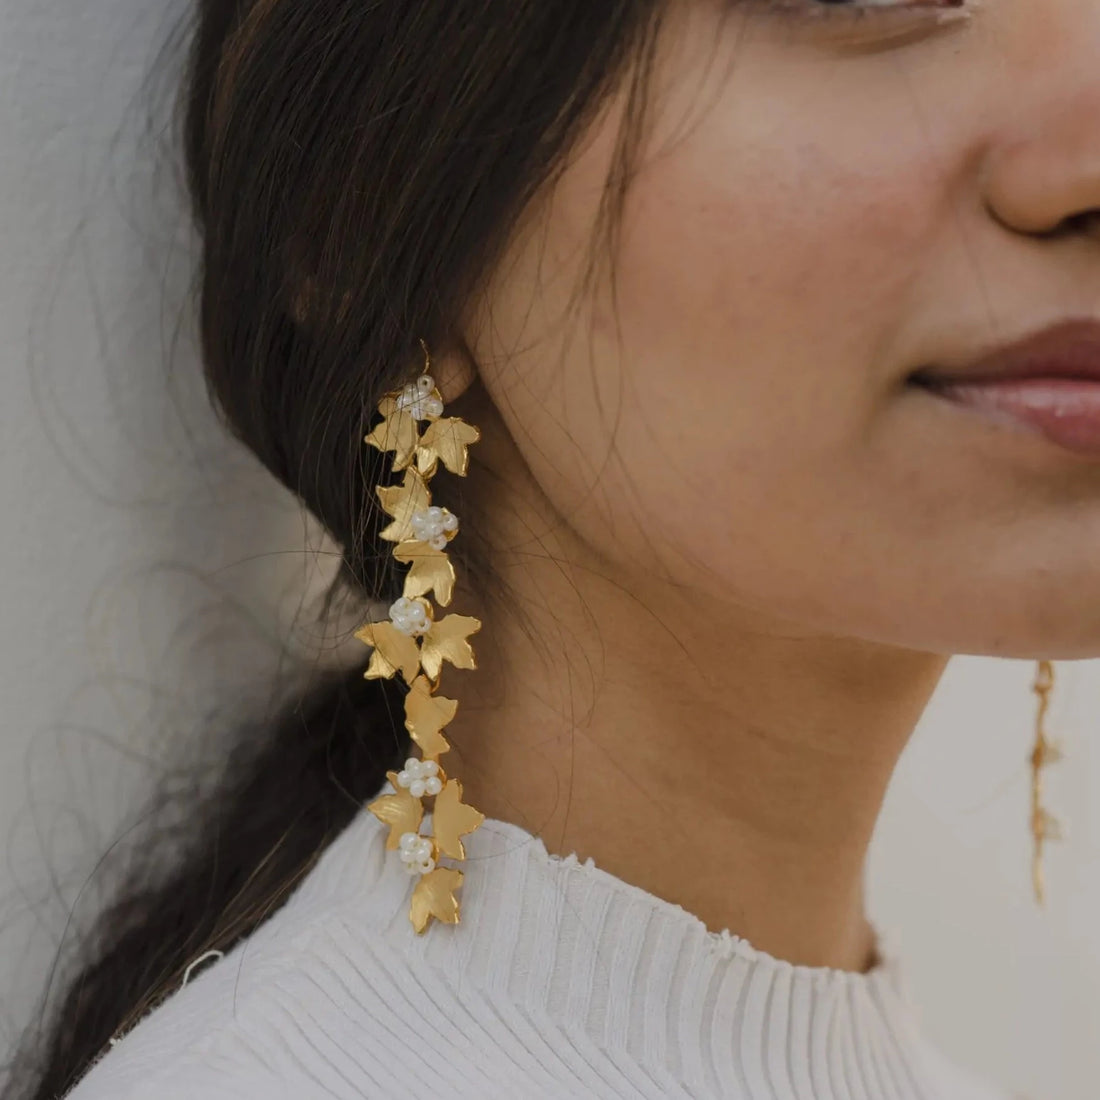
[[560, 981]]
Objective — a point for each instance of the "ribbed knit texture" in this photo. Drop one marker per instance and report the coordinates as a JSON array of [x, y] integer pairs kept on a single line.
[[560, 981]]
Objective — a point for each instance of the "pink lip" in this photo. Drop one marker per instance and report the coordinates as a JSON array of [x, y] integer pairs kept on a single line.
[[1048, 382]]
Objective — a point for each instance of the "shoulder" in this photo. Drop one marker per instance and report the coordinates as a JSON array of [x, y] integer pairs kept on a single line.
[[311, 1004], [334, 996], [338, 1016], [315, 1011]]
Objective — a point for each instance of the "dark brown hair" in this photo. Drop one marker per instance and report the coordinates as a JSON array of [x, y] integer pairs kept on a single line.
[[355, 168]]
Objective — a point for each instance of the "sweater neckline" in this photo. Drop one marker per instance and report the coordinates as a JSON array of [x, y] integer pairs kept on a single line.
[[886, 969], [509, 871], [580, 952]]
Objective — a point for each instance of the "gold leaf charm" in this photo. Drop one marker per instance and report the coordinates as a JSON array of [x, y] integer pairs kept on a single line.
[[434, 897], [398, 432], [426, 715], [400, 811], [1046, 825], [1047, 752], [393, 650], [431, 570], [453, 818], [446, 641], [445, 440], [403, 502]]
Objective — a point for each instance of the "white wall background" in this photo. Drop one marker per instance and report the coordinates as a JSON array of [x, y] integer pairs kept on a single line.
[[148, 571], [148, 568]]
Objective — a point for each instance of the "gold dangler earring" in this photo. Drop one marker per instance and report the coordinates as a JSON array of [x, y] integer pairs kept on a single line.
[[415, 643], [1044, 826]]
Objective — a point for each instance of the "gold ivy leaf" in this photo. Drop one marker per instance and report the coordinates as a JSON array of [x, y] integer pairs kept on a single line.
[[400, 811], [434, 897], [393, 650], [446, 641], [1047, 826], [425, 715], [401, 502], [1046, 752], [453, 818], [445, 440], [397, 432], [431, 570]]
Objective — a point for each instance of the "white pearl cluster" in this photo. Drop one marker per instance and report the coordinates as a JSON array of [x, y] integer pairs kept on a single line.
[[418, 400], [432, 525], [416, 854], [410, 617], [420, 777]]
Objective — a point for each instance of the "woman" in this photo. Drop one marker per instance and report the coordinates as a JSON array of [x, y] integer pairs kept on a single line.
[[750, 303]]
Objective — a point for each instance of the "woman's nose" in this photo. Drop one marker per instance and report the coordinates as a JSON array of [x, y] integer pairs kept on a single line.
[[1042, 172]]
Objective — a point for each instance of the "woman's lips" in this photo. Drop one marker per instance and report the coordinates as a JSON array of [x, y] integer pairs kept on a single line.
[[1065, 410], [1048, 382]]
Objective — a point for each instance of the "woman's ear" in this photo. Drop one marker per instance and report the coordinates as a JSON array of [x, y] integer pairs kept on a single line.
[[453, 370]]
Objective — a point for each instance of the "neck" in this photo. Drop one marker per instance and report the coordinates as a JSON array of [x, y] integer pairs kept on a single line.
[[728, 763]]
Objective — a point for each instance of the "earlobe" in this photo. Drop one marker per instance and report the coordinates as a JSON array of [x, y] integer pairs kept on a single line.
[[453, 370]]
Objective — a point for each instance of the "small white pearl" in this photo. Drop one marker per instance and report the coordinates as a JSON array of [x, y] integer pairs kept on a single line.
[[426, 865], [413, 869], [418, 399], [431, 524], [428, 767], [403, 778], [409, 616], [409, 841], [416, 788], [433, 785], [412, 765]]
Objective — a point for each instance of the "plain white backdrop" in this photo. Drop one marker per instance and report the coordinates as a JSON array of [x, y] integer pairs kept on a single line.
[[149, 573]]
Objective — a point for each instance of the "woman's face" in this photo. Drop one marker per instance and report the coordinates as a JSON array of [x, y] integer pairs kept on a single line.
[[828, 199]]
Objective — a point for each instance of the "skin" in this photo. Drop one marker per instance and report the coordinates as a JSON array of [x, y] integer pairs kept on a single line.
[[738, 548]]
